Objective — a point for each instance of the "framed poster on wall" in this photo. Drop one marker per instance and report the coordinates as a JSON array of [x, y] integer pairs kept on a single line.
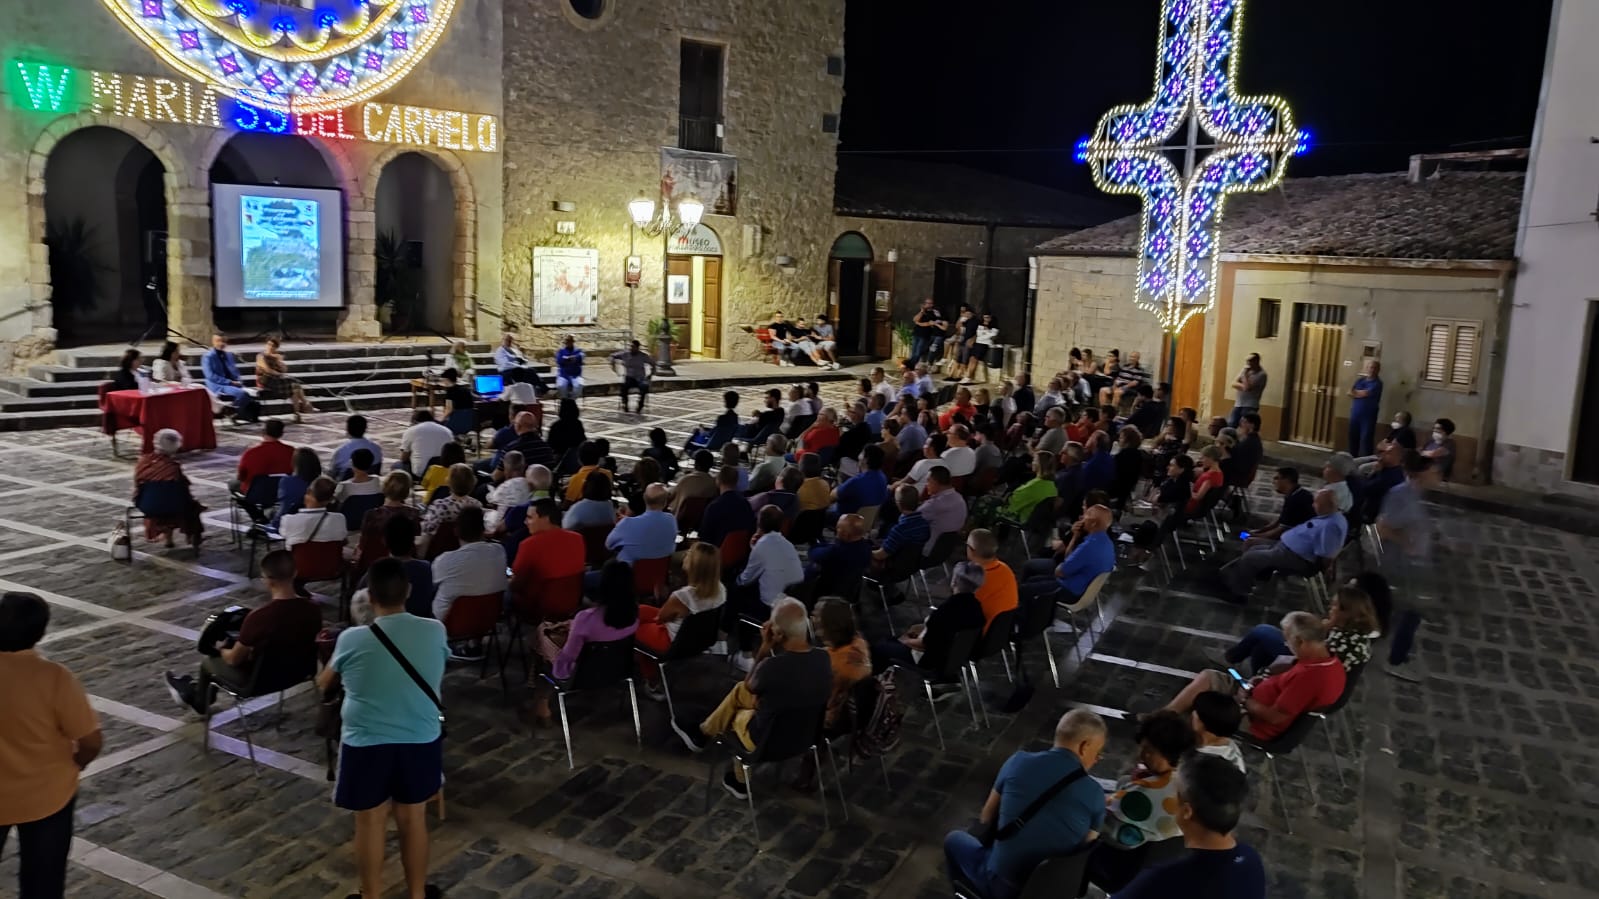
[[678, 289], [566, 286]]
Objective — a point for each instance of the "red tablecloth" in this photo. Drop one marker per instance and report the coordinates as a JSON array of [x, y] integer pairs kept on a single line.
[[185, 410]]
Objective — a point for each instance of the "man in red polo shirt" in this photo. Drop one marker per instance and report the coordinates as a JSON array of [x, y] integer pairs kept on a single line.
[[1271, 703], [821, 435], [270, 456], [547, 554]]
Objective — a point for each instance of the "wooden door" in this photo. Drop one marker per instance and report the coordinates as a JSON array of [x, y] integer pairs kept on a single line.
[[679, 313], [1318, 354], [880, 278], [835, 274], [711, 339], [1186, 388]]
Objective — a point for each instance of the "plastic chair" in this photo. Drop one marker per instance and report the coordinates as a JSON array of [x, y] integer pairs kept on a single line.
[[1090, 598], [690, 512], [649, 574], [1285, 743], [996, 641], [463, 422], [1059, 876], [900, 568], [938, 557], [443, 540], [477, 618], [1351, 680], [864, 696], [256, 503], [275, 673], [791, 735], [557, 599], [356, 507], [960, 653], [156, 499], [594, 551], [599, 665], [735, 549], [695, 635]]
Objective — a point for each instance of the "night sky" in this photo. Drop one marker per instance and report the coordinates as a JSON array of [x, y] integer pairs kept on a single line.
[[1012, 85]]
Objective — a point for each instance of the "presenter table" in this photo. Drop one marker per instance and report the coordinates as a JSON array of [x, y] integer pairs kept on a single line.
[[186, 410]]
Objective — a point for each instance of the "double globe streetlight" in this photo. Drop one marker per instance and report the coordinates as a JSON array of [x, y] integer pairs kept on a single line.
[[642, 213]]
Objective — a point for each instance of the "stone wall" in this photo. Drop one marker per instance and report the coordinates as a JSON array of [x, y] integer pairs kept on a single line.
[[591, 104], [461, 73], [1086, 301]]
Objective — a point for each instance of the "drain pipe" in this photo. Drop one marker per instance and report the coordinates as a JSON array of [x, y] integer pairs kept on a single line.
[[1032, 310]]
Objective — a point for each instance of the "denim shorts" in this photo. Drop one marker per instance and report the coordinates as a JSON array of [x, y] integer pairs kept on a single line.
[[407, 773]]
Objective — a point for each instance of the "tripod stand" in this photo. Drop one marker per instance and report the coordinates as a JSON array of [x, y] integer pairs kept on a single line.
[[164, 325], [283, 333]]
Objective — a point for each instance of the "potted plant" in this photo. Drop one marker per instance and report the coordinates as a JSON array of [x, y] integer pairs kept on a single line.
[[74, 270], [398, 283], [904, 335]]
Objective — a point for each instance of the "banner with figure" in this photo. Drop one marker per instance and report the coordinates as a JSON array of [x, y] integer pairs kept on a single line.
[[711, 178], [566, 285]]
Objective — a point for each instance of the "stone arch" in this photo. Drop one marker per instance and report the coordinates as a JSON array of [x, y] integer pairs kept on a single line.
[[175, 183], [463, 312]]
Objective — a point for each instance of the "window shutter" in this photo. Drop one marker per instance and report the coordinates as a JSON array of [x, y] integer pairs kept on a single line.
[[1437, 353], [1465, 361]]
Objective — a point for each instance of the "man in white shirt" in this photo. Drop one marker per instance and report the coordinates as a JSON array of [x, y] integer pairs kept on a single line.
[[422, 442], [519, 392], [476, 569], [881, 386], [314, 522], [361, 481], [507, 359], [514, 489], [960, 458]]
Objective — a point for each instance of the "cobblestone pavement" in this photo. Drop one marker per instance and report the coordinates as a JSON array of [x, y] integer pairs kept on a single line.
[[1478, 781]]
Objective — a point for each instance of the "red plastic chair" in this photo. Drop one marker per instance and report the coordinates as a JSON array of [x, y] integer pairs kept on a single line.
[[443, 540], [323, 560], [478, 618], [557, 599], [690, 513], [763, 336], [649, 574], [735, 549], [594, 550]]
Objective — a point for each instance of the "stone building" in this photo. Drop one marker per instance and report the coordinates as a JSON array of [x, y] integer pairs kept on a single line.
[[1549, 409], [959, 235], [1413, 269], [116, 122]]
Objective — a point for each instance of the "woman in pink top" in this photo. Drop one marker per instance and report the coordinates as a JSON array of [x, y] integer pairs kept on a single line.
[[561, 642]]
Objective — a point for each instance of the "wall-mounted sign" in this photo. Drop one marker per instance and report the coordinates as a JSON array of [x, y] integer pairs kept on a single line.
[[63, 89], [678, 290], [880, 300], [634, 272], [566, 285], [291, 57], [696, 241]]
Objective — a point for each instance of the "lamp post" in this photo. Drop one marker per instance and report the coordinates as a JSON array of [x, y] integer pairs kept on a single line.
[[641, 213]]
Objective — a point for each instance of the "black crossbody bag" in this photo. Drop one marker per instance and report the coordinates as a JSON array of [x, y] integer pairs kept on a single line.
[[1010, 830], [416, 678]]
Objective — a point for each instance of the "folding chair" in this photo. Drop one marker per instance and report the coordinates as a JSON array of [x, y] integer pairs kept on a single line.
[[355, 508], [599, 665], [790, 735], [901, 568], [955, 661], [267, 676], [938, 557], [1054, 878], [650, 574], [1351, 680], [157, 499], [594, 551], [695, 635], [477, 618], [996, 641], [256, 503], [1285, 743]]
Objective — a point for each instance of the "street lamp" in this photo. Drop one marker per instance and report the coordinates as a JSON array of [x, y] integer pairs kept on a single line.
[[642, 217]]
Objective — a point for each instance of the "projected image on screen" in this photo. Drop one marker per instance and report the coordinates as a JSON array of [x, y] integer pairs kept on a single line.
[[282, 256]]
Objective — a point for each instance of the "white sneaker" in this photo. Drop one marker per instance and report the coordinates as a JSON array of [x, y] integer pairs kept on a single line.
[[1063, 627], [744, 662], [719, 648]]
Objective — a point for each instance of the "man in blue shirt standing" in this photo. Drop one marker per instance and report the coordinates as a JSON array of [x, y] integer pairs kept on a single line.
[[1303, 549], [1070, 816], [1089, 555], [222, 379], [1364, 408], [392, 760], [569, 369]]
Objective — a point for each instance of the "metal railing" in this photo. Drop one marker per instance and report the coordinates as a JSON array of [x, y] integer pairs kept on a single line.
[[699, 133]]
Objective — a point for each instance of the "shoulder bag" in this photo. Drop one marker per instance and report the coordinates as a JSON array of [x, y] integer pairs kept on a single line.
[[1020, 821], [415, 678]]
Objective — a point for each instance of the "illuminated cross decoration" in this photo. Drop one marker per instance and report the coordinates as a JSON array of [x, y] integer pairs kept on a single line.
[[1252, 139]]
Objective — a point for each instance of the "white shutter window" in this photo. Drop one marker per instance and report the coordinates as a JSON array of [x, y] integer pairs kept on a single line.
[[1464, 362], [1437, 366]]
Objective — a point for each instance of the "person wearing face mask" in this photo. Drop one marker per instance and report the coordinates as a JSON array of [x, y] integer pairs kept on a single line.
[[1440, 449]]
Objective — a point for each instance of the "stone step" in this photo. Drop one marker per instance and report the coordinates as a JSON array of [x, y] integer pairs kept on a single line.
[[108, 357], [317, 384], [303, 368]]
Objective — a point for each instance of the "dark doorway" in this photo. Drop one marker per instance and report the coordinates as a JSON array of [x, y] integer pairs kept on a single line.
[[105, 229], [416, 247], [848, 289], [949, 283], [1585, 465]]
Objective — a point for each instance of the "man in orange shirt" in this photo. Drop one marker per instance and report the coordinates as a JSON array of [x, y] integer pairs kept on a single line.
[[50, 734], [998, 592], [270, 456], [547, 554], [963, 406]]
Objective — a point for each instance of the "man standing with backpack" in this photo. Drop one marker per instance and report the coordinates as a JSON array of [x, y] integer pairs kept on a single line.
[[391, 760]]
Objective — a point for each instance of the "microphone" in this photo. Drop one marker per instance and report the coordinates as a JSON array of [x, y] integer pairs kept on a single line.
[[429, 367]]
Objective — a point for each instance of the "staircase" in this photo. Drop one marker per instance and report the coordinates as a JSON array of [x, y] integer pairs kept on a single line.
[[334, 376]]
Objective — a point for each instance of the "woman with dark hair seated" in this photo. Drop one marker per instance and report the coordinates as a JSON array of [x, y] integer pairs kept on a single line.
[[438, 474], [306, 466], [161, 467], [566, 432], [560, 642], [663, 454], [1142, 809], [126, 376]]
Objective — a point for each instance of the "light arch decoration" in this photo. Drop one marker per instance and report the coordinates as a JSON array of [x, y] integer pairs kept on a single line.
[[1252, 139], [299, 56]]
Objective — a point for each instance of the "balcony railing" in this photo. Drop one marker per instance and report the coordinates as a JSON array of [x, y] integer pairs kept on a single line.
[[699, 133]]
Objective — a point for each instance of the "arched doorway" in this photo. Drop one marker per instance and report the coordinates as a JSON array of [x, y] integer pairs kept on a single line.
[[694, 290], [849, 293], [416, 227], [284, 160], [105, 227]]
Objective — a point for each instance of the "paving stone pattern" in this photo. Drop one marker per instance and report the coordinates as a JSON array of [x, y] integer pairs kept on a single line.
[[1482, 780]]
